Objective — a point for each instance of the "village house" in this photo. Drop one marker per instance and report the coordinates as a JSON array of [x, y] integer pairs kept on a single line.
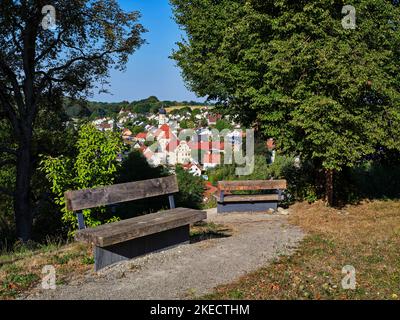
[[183, 153], [105, 127], [213, 118], [141, 137]]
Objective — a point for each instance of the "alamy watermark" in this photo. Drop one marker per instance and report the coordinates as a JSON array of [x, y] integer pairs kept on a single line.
[[349, 280], [49, 278], [49, 20], [349, 21]]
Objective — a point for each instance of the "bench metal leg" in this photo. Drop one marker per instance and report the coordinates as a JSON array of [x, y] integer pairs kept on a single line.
[[105, 256], [246, 206]]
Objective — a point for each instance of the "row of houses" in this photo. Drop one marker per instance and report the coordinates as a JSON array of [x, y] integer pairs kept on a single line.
[[165, 148], [161, 145]]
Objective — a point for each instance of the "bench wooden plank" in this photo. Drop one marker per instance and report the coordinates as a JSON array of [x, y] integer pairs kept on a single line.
[[248, 198], [90, 198], [139, 220], [252, 185], [137, 227]]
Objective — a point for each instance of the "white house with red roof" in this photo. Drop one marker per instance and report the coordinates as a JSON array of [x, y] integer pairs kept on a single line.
[[213, 118], [141, 137]]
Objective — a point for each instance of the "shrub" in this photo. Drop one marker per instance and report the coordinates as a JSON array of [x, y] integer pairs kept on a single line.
[[95, 165], [191, 189]]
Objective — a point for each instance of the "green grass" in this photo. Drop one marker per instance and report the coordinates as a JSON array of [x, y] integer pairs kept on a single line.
[[88, 260], [17, 282], [21, 270], [21, 251]]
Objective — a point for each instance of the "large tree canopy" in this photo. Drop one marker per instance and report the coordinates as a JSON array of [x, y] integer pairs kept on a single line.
[[326, 92], [39, 66]]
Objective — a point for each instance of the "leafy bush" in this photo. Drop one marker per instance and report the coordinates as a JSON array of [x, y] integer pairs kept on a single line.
[[95, 165], [371, 180], [191, 189]]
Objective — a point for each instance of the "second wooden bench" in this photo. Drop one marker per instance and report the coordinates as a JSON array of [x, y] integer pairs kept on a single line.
[[228, 202]]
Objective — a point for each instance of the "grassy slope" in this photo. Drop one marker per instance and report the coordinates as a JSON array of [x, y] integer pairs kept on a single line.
[[21, 271], [366, 236]]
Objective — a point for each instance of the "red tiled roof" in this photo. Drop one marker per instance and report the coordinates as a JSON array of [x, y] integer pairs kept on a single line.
[[165, 130], [141, 135], [214, 118]]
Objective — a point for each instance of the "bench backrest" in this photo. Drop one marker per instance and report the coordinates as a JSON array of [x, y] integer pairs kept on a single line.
[[248, 185], [102, 196]]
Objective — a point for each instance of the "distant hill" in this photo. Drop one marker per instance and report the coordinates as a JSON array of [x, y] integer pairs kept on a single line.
[[170, 109], [94, 109]]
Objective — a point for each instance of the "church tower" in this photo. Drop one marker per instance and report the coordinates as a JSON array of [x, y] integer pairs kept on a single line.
[[162, 117]]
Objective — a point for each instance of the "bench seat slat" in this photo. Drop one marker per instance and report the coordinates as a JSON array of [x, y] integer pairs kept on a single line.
[[120, 224], [248, 198], [125, 230]]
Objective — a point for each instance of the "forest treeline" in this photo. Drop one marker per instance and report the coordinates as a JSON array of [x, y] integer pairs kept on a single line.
[[93, 109]]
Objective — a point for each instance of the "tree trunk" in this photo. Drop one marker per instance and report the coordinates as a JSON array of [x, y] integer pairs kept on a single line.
[[22, 203], [329, 174]]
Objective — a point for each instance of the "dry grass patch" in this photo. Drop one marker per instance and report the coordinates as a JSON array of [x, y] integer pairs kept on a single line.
[[22, 272], [366, 236]]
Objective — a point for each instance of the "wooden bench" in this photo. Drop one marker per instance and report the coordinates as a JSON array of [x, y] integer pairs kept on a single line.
[[134, 237], [228, 202]]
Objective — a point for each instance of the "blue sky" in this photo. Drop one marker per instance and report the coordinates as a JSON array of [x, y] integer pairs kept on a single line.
[[150, 71]]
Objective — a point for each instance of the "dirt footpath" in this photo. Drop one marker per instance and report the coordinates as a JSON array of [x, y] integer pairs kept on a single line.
[[192, 270]]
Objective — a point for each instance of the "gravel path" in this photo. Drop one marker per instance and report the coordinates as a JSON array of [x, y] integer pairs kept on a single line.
[[192, 270]]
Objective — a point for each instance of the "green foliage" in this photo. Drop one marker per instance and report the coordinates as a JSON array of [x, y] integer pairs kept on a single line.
[[135, 129], [322, 91], [187, 124], [370, 180], [40, 67], [191, 189], [262, 170], [88, 260], [95, 165], [16, 282], [223, 124], [136, 168], [210, 203]]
